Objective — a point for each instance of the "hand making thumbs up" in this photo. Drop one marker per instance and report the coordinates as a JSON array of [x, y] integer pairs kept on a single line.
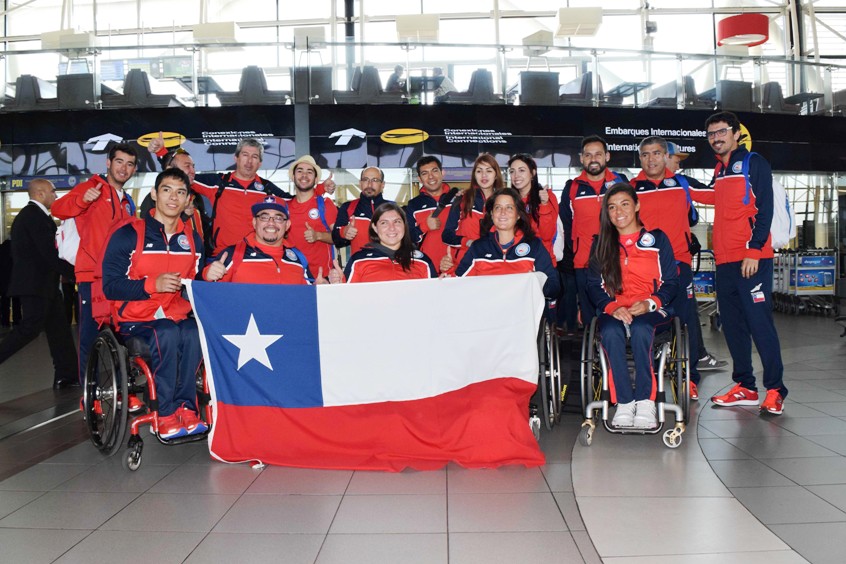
[[446, 263], [351, 231], [336, 275], [310, 234], [217, 269], [329, 184]]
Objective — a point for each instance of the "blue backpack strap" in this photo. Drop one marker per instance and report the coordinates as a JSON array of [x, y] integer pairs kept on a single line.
[[304, 260], [745, 170], [321, 211], [694, 215]]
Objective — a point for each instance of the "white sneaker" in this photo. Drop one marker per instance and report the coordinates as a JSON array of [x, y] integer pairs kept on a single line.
[[625, 414], [646, 416]]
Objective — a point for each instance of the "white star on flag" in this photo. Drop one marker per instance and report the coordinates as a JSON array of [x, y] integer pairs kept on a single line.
[[252, 345]]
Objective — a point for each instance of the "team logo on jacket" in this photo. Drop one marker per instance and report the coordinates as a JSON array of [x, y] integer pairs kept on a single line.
[[182, 241], [647, 240], [737, 167], [417, 254], [313, 213], [290, 255], [522, 250], [670, 182], [610, 183]]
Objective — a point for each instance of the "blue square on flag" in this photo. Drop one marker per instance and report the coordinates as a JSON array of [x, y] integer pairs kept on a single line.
[[268, 348]]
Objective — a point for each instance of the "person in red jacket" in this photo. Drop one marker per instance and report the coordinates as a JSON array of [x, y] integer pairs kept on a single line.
[[632, 278], [390, 254], [665, 204], [468, 207], [508, 244], [428, 211], [541, 203], [580, 206], [354, 217], [262, 256], [143, 267], [312, 216], [97, 204], [743, 252], [235, 194]]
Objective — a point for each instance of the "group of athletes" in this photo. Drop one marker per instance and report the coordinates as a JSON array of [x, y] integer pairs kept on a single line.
[[629, 243]]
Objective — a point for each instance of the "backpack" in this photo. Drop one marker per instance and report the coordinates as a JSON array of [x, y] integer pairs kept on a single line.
[[67, 240], [783, 227], [101, 308]]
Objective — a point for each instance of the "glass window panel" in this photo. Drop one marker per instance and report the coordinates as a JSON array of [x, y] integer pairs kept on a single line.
[[242, 10], [155, 13]]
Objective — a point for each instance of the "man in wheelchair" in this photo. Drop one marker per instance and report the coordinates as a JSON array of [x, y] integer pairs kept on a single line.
[[143, 267], [632, 275]]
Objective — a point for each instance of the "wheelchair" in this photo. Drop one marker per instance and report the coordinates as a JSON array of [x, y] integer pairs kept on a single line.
[[552, 391], [115, 370], [671, 356]]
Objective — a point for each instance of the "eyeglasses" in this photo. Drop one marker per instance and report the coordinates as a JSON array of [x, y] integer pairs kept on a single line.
[[718, 132], [266, 217], [371, 180]]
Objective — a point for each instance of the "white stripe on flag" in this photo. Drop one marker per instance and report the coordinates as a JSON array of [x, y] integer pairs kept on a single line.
[[420, 338]]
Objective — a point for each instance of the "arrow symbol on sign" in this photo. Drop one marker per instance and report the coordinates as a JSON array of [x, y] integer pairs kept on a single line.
[[345, 136], [102, 141]]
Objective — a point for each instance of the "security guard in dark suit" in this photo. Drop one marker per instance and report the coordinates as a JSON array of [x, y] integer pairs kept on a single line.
[[35, 279]]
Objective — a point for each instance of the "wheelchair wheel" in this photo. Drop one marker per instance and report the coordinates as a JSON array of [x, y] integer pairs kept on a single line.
[[678, 368], [544, 381], [558, 387], [105, 393], [590, 373]]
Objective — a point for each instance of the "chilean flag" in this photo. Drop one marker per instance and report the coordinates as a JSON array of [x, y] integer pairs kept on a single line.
[[379, 376]]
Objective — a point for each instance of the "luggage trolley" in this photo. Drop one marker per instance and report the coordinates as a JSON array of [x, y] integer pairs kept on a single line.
[[803, 281], [671, 353]]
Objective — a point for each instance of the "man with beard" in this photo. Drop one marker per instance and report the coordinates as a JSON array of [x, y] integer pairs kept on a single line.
[[742, 195], [262, 256], [581, 201], [312, 216], [354, 216]]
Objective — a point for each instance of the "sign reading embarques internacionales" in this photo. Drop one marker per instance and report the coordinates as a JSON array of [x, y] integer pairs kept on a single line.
[[37, 143]]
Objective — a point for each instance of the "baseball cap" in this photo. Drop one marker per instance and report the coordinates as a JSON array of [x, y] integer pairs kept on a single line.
[[673, 149], [305, 159], [270, 203]]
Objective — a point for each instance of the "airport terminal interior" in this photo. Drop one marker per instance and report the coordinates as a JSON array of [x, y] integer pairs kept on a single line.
[[358, 83]]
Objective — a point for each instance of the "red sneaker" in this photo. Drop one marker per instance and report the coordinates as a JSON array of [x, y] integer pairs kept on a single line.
[[773, 403], [171, 427], [135, 404], [694, 393], [192, 423], [737, 396]]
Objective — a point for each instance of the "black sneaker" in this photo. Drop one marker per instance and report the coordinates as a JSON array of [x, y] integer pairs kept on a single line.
[[708, 362]]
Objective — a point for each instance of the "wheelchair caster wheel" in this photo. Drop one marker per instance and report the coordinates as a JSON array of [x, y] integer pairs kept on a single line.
[[672, 438], [586, 435], [132, 458], [535, 424]]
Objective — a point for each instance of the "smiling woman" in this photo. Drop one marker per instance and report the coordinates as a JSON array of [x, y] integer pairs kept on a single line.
[[390, 254]]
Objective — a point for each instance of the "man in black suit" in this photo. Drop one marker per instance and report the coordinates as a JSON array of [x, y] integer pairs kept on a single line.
[[35, 279]]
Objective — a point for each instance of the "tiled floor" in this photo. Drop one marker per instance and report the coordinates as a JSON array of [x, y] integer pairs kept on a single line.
[[741, 488]]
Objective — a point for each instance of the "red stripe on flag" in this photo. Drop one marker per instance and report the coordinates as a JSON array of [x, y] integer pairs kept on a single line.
[[481, 425]]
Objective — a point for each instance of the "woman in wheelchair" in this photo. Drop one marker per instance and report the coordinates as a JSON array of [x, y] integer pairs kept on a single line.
[[508, 244], [632, 276], [143, 267]]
